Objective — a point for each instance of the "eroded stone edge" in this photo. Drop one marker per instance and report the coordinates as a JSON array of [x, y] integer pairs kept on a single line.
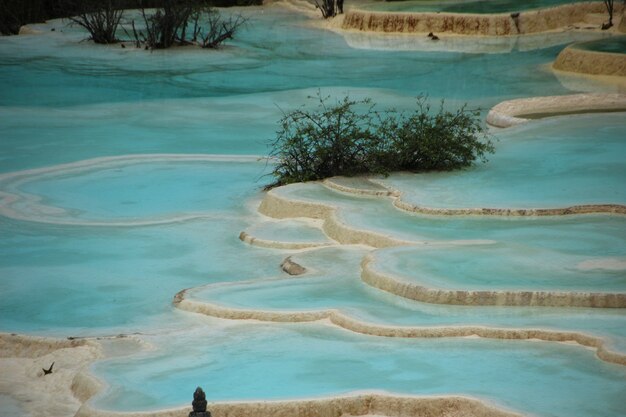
[[339, 319], [501, 24], [505, 114], [396, 285], [361, 403], [83, 385], [582, 61], [276, 244], [283, 207]]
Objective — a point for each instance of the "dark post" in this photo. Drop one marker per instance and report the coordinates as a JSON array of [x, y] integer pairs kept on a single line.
[[199, 404]]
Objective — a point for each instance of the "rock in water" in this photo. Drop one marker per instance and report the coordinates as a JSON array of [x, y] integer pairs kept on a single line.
[[291, 267]]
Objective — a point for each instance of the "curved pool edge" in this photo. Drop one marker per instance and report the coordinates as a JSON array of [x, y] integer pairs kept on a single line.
[[279, 206], [513, 112], [250, 239], [356, 403], [345, 322], [42, 213], [69, 392], [22, 359], [594, 63], [523, 298]]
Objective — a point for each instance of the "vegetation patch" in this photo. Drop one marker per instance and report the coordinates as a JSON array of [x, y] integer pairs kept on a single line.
[[102, 17], [351, 137]]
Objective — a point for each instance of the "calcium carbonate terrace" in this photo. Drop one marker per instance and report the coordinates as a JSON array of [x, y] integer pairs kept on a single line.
[[134, 223]]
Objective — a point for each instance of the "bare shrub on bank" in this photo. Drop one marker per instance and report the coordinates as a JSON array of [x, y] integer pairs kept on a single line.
[[609, 8], [218, 29], [100, 18], [185, 22], [329, 8]]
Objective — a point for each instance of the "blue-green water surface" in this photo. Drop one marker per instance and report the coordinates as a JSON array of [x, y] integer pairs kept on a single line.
[[465, 6], [65, 101], [614, 45]]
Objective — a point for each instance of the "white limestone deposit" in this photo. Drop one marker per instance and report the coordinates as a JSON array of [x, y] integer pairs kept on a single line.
[[58, 394], [513, 112]]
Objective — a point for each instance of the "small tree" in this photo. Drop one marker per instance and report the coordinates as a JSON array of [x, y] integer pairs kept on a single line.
[[609, 8], [100, 18], [340, 140], [327, 7], [217, 29], [168, 24], [185, 22]]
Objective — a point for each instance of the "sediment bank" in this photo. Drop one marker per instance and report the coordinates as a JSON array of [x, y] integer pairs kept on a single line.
[[58, 394], [413, 291], [275, 244], [501, 24], [340, 319], [276, 206], [360, 404], [513, 112], [574, 59]]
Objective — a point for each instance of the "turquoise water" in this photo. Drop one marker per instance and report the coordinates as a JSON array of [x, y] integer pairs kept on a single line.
[[557, 162], [464, 6], [10, 407], [335, 283], [150, 190], [591, 235], [272, 362], [84, 281], [289, 231], [82, 252], [525, 268], [615, 45]]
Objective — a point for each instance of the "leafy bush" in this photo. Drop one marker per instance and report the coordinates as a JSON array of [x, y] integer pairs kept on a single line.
[[340, 140]]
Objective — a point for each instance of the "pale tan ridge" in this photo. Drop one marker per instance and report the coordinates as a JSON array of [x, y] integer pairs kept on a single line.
[[583, 61], [66, 392], [274, 205], [360, 404], [414, 291], [501, 24], [345, 322], [58, 394], [513, 112], [276, 244]]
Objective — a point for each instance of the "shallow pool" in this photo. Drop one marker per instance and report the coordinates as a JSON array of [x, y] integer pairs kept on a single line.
[[551, 163], [272, 362], [614, 45], [128, 176], [464, 6]]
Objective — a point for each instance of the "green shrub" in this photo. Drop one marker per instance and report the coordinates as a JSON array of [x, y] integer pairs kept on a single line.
[[341, 140]]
